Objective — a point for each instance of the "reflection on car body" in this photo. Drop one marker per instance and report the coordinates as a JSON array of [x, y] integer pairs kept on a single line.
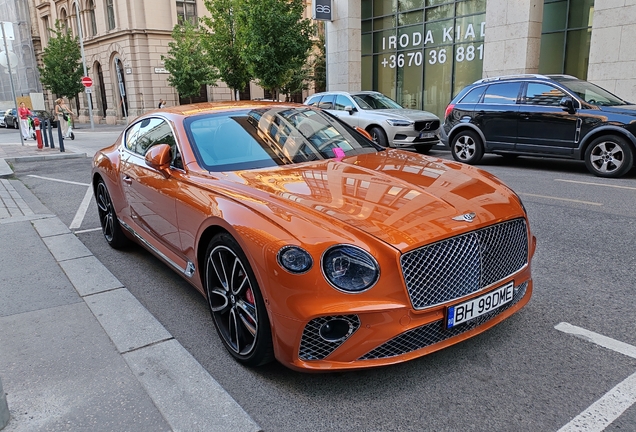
[[311, 244]]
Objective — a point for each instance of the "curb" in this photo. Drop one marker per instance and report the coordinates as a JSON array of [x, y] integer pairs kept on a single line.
[[6, 171]]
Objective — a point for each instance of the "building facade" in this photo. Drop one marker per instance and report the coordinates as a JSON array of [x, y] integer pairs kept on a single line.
[[422, 52]]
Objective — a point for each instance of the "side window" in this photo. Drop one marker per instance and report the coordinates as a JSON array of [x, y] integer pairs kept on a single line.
[[131, 137], [474, 95], [155, 131], [502, 94], [326, 102], [543, 94], [313, 101], [342, 102]]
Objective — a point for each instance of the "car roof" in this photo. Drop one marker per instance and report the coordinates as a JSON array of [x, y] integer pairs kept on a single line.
[[522, 77], [347, 93]]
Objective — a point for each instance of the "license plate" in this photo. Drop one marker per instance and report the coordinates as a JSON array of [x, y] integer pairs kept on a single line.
[[427, 134], [476, 307]]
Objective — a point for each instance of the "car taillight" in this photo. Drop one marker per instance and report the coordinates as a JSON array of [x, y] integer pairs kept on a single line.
[[449, 108]]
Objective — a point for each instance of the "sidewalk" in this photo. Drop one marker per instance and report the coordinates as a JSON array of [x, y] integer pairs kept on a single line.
[[77, 350]]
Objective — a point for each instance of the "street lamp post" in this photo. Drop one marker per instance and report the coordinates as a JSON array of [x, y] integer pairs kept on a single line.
[[81, 39]]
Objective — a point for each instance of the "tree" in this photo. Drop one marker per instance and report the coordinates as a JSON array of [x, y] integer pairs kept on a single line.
[[276, 38], [62, 71], [223, 45], [319, 62], [188, 61]]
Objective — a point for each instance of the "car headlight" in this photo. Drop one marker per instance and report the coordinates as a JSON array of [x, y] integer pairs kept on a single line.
[[350, 269], [397, 122], [294, 259]]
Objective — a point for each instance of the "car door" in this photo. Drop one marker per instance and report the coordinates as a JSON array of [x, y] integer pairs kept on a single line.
[[544, 125], [149, 193], [497, 115], [352, 118]]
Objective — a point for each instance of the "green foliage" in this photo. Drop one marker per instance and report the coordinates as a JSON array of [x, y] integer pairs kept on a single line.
[[223, 45], [276, 38], [319, 63], [62, 59], [188, 61]]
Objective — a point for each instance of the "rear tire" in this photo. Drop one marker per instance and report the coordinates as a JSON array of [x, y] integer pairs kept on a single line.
[[379, 137], [609, 156], [467, 147]]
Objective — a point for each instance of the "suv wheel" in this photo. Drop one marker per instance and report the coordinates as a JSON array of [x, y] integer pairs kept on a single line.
[[609, 156], [467, 147], [379, 137]]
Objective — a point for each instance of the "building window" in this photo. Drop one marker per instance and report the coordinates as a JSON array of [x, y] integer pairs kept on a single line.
[[91, 18], [566, 36], [64, 19], [187, 11], [45, 24], [422, 52], [110, 12]]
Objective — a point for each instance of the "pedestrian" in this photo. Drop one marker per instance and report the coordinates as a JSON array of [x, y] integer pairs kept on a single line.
[[63, 114], [23, 114], [162, 104]]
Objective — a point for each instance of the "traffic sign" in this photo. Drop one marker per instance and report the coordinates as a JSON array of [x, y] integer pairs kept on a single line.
[[87, 81]]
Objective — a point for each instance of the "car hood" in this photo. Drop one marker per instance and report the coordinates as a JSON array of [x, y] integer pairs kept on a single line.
[[409, 114], [401, 198], [620, 109]]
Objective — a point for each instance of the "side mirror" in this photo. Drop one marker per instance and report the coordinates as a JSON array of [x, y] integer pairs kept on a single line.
[[350, 109], [567, 103], [159, 157]]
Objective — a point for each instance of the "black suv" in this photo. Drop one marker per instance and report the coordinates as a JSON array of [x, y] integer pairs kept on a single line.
[[535, 115]]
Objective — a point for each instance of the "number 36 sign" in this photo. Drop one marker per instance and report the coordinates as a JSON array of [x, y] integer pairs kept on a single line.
[[322, 10]]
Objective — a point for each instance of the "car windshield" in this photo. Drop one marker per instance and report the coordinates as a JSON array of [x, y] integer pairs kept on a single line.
[[592, 93], [372, 101], [270, 136]]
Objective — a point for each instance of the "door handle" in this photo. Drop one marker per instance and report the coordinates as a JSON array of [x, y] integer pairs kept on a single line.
[[127, 179]]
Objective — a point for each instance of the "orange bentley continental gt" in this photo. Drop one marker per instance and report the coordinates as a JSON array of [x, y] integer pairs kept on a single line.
[[312, 244]]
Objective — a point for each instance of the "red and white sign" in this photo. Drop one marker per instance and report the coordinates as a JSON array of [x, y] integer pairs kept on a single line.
[[87, 81]]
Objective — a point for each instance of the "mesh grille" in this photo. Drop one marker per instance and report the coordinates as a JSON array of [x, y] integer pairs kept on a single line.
[[432, 333], [462, 265], [313, 347]]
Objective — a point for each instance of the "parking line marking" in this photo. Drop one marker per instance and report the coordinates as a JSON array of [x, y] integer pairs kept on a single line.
[[81, 211], [615, 402], [58, 180], [87, 230], [562, 199], [596, 184]]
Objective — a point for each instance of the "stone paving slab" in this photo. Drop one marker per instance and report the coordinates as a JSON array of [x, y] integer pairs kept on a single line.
[[89, 276]]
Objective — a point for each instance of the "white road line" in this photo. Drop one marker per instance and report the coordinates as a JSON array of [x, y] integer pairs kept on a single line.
[[87, 230], [613, 403], [596, 184], [562, 199], [58, 180], [81, 211]]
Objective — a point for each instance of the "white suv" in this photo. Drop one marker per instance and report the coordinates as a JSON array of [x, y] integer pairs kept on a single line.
[[389, 124]]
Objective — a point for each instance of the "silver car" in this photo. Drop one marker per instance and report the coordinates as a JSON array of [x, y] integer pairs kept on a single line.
[[388, 123]]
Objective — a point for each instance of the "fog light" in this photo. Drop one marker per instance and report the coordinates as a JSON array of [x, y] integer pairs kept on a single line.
[[335, 330]]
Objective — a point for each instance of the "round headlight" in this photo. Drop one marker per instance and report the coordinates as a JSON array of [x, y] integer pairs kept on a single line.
[[350, 269], [294, 259]]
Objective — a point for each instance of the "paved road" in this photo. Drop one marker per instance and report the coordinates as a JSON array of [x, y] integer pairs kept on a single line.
[[523, 375]]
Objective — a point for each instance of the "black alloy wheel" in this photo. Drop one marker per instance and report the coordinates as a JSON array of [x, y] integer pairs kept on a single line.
[[111, 229], [237, 306], [609, 156], [467, 147], [379, 137]]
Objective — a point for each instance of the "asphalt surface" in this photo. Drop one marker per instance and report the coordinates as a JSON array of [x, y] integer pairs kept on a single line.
[[526, 374]]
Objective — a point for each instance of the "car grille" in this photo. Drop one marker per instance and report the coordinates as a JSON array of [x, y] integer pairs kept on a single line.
[[313, 346], [425, 126], [435, 332], [459, 266]]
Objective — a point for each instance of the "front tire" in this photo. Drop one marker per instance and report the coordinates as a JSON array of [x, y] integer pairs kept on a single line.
[[467, 147], [609, 156], [236, 303], [111, 229], [379, 137]]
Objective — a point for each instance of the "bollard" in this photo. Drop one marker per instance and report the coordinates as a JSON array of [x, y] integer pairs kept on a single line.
[[51, 135], [4, 408], [45, 125], [59, 136]]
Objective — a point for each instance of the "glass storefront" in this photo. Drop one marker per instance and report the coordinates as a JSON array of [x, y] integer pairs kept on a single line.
[[422, 52]]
